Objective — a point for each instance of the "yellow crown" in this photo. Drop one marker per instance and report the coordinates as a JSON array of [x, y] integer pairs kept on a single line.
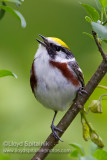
[[60, 42]]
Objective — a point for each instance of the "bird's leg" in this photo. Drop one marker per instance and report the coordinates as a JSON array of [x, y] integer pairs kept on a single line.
[[54, 128]]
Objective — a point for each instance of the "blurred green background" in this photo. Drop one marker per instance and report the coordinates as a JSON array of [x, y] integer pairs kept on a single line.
[[22, 118]]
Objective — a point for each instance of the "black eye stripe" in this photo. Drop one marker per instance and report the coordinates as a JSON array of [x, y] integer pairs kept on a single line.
[[60, 48], [55, 47]]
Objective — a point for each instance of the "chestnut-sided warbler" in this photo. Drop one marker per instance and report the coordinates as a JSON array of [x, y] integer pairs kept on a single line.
[[55, 76]]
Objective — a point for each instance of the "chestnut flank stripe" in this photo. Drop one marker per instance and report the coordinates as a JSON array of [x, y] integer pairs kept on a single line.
[[66, 72], [33, 79]]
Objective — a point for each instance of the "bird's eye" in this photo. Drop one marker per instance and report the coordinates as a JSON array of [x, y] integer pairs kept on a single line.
[[51, 44], [57, 48], [62, 49]]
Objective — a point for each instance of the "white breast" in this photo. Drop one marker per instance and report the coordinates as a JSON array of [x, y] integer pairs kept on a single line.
[[53, 90]]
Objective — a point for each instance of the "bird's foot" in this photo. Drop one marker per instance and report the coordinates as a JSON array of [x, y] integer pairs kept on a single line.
[[81, 91], [54, 129]]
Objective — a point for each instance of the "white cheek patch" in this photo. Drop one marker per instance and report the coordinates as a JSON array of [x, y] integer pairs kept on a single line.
[[61, 54], [61, 59]]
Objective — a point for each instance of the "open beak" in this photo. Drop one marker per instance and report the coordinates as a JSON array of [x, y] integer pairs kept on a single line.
[[44, 42]]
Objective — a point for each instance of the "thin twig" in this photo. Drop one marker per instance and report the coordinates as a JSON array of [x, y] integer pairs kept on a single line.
[[102, 87], [99, 46], [78, 104]]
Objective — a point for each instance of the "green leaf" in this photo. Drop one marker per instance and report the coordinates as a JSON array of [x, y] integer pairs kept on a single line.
[[100, 155], [4, 73], [74, 153], [15, 13], [89, 35], [14, 1], [92, 148], [98, 4], [78, 147], [100, 30], [105, 41], [92, 12], [21, 18], [103, 3], [87, 158], [88, 19], [2, 11]]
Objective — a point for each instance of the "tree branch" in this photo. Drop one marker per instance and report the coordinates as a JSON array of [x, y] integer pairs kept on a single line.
[[78, 104]]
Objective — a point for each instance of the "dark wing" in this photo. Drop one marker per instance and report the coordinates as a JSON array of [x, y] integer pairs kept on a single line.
[[75, 67]]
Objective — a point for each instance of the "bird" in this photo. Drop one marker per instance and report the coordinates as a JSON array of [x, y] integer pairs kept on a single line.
[[55, 76]]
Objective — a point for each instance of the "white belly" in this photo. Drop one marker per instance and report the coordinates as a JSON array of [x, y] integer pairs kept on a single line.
[[53, 90]]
